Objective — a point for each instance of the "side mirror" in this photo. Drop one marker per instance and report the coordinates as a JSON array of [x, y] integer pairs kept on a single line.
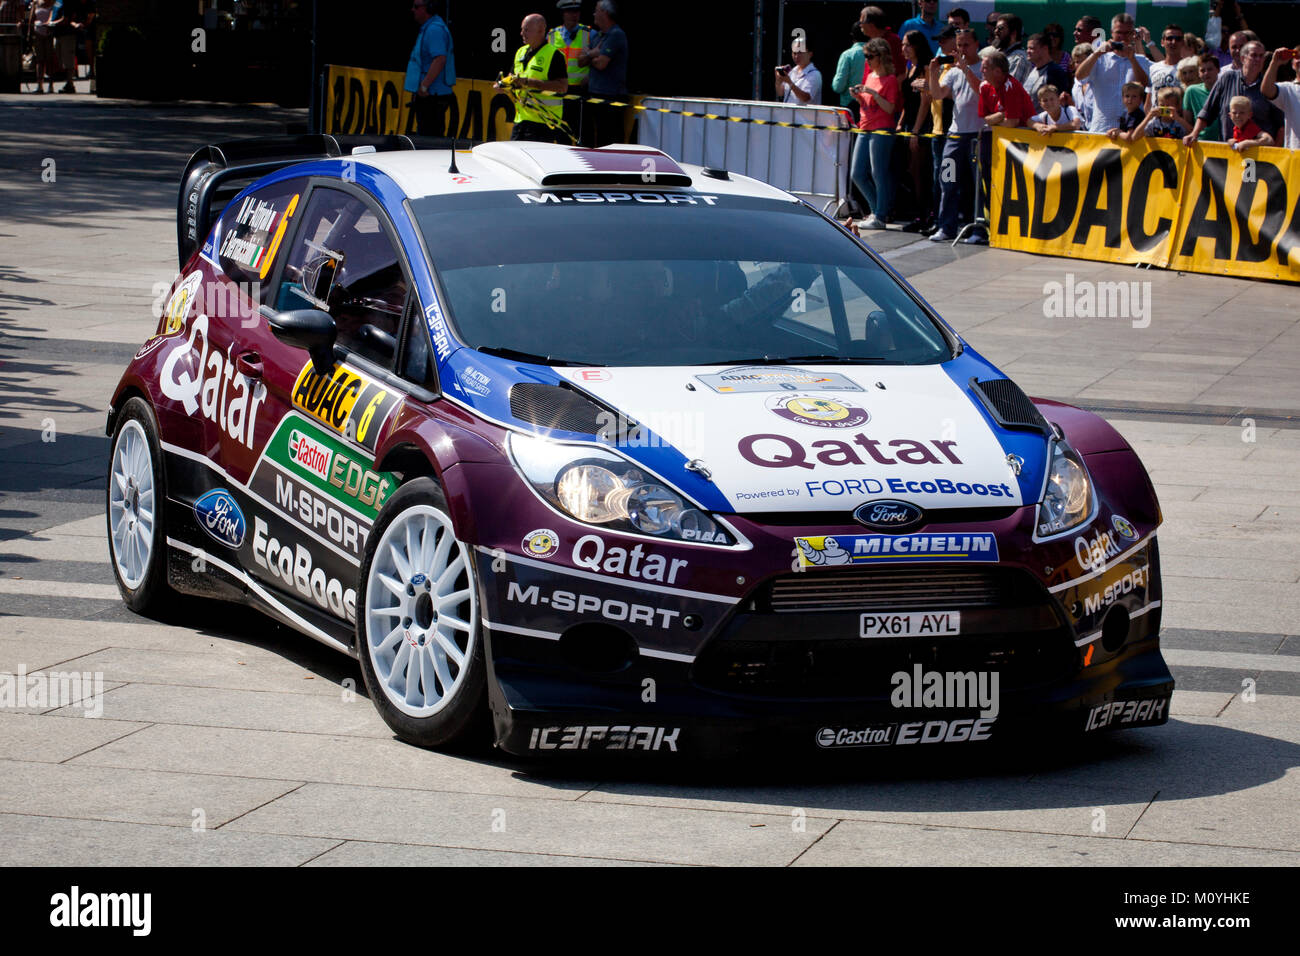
[[309, 329]]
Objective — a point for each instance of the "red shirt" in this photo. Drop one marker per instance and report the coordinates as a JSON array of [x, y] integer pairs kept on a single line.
[[873, 117], [895, 52], [1249, 131], [1011, 100]]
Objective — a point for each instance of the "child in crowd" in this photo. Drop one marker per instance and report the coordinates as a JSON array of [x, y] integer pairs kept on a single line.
[[1166, 117], [1245, 131], [1134, 94], [1054, 118]]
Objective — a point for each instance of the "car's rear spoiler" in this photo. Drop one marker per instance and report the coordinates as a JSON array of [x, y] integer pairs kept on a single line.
[[215, 174]]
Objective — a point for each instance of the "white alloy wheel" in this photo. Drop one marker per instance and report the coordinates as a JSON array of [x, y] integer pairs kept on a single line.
[[421, 613], [131, 505]]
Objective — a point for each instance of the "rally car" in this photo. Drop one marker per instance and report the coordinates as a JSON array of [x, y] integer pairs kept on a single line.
[[624, 455]]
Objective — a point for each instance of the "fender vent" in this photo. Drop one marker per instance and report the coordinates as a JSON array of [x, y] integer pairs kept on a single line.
[[1009, 405], [566, 409]]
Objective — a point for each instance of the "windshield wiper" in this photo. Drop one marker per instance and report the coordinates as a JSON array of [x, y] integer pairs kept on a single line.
[[504, 352], [806, 359]]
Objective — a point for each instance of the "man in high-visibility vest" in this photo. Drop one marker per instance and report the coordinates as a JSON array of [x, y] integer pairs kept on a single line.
[[541, 77], [571, 38]]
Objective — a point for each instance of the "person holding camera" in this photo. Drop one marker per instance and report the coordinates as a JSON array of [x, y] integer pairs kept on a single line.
[[1285, 96], [1108, 68], [800, 84], [881, 100]]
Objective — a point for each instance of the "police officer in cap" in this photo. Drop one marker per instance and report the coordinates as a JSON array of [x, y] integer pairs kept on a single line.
[[571, 38], [541, 77]]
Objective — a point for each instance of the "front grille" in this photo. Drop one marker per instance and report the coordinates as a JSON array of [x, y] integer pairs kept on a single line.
[[897, 589], [850, 668]]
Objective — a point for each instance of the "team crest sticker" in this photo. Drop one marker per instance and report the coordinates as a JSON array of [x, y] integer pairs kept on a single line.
[[1124, 527], [541, 543], [818, 411]]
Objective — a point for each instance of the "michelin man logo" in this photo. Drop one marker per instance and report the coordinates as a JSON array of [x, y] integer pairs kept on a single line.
[[830, 552]]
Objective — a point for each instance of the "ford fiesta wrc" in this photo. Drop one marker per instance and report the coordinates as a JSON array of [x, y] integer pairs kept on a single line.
[[612, 454]]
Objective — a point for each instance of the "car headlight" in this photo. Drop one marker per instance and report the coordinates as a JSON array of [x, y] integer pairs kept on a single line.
[[1067, 501], [597, 487]]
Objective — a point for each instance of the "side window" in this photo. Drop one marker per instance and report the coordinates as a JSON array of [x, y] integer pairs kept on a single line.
[[250, 232], [343, 262]]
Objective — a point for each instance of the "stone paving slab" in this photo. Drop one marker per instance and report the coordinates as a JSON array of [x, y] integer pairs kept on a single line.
[[854, 843], [357, 761], [581, 828], [130, 796], [996, 804], [50, 841], [356, 853]]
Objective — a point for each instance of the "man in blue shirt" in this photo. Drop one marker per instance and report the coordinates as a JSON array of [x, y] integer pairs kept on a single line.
[[431, 72], [607, 58], [928, 24]]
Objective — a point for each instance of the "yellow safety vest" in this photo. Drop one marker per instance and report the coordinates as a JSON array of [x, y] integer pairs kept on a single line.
[[537, 68], [581, 38]]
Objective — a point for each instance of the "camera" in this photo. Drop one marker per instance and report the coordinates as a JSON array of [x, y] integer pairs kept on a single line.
[[1116, 45], [943, 60]]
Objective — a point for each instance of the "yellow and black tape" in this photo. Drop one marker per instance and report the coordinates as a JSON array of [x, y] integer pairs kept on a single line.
[[518, 93]]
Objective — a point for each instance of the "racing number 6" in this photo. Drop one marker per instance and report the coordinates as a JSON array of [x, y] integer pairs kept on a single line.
[[364, 425]]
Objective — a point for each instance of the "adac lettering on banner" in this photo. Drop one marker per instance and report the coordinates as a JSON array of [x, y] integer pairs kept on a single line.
[[374, 102], [1208, 209]]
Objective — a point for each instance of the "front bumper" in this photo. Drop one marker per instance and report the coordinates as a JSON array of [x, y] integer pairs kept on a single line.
[[601, 642]]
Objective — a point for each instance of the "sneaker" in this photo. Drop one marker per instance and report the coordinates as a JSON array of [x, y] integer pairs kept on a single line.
[[874, 222], [67, 88], [940, 236], [916, 225], [975, 239]]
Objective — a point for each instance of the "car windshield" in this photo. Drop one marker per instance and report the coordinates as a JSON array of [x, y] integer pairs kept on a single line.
[[654, 278]]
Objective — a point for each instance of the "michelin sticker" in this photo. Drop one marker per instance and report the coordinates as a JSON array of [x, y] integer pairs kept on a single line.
[[825, 550]]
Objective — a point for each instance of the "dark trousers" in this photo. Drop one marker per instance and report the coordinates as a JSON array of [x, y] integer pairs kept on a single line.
[[572, 115], [956, 177], [603, 124], [530, 132], [431, 114]]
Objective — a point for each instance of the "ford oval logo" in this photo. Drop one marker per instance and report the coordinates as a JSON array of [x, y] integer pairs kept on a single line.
[[218, 514], [889, 515]]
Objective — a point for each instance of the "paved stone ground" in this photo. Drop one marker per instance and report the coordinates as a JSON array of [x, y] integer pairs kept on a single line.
[[227, 718]]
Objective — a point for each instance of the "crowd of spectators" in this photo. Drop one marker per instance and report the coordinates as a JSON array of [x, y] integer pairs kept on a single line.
[[928, 96], [58, 35]]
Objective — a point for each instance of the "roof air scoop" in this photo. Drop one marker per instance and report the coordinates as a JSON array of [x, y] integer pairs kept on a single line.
[[548, 164]]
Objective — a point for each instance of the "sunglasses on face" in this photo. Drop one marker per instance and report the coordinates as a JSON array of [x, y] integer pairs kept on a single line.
[[1170, 36]]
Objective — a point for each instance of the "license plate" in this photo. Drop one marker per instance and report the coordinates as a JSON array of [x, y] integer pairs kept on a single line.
[[911, 624]]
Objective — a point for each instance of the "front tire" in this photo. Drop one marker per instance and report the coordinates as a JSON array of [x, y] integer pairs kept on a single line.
[[136, 500], [417, 626]]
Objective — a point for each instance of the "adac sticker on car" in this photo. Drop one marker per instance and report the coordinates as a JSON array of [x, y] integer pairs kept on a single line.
[[346, 402], [177, 308], [304, 451]]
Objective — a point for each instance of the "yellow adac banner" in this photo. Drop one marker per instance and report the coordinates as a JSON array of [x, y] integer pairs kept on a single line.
[[373, 102], [1205, 209], [1240, 213]]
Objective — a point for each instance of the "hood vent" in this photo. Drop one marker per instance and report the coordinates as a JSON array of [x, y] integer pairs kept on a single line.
[[1010, 406], [564, 408]]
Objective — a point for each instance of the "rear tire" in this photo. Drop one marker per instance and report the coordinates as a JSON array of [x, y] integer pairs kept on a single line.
[[417, 623], [135, 506]]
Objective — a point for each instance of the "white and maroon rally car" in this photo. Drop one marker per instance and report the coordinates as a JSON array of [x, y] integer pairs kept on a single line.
[[628, 455]]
